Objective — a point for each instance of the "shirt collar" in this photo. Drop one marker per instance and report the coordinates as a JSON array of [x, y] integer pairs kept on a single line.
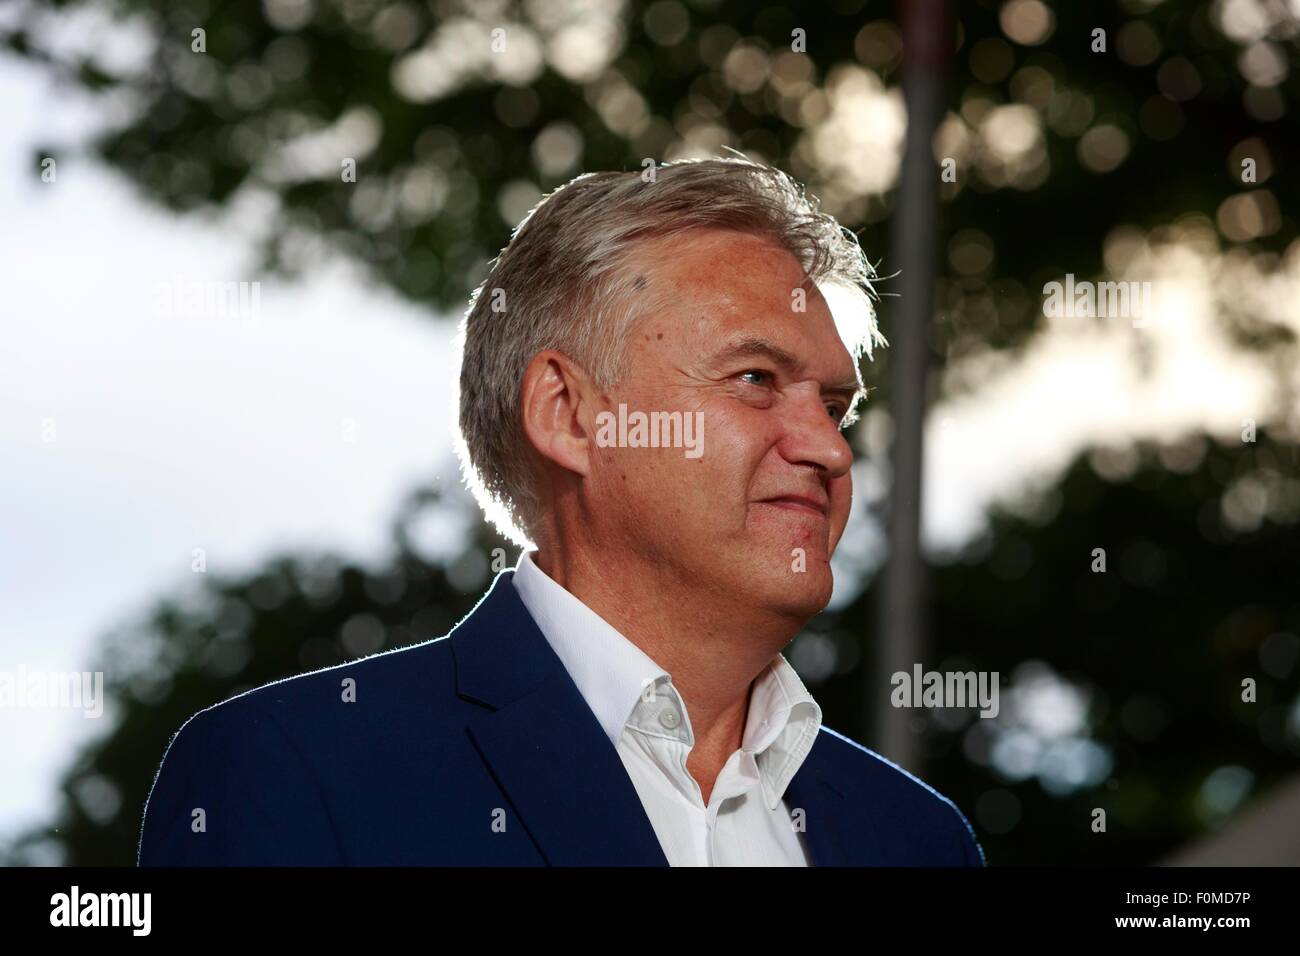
[[609, 670], [782, 726], [612, 675]]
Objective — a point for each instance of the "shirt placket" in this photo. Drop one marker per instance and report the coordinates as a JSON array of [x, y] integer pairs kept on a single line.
[[738, 777]]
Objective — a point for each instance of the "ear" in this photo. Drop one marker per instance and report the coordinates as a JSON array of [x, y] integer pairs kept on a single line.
[[556, 410]]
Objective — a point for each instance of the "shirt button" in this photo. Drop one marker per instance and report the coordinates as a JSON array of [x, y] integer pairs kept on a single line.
[[669, 718]]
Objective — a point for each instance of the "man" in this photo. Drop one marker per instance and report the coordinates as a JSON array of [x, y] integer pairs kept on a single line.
[[653, 396]]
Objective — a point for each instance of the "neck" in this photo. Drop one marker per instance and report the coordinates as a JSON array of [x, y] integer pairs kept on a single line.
[[712, 649]]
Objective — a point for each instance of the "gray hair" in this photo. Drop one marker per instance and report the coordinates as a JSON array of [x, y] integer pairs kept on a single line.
[[568, 281]]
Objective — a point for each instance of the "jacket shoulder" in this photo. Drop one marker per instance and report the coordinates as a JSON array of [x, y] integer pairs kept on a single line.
[[246, 779], [383, 678], [914, 821]]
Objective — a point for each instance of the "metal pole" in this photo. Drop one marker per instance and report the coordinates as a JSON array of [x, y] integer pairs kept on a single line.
[[899, 641]]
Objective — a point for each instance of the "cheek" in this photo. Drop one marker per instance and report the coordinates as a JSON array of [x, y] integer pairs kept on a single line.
[[655, 483], [736, 443], [840, 491], [710, 474]]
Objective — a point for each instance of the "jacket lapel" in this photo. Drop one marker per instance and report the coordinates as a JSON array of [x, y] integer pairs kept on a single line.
[[562, 776], [831, 839]]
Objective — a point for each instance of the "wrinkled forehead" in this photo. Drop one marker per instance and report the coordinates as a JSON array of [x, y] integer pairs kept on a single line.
[[716, 260], [718, 282]]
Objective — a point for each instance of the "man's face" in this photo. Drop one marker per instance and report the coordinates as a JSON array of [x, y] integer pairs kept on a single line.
[[758, 514]]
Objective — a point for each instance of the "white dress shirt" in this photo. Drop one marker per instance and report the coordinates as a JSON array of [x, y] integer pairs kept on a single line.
[[747, 821]]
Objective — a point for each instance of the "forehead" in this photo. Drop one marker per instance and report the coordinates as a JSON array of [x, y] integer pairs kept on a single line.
[[719, 284], [707, 261]]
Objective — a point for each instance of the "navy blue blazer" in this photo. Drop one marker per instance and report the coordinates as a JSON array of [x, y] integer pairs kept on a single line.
[[477, 749]]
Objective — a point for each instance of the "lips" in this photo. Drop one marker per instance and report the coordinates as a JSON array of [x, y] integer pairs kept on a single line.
[[804, 503]]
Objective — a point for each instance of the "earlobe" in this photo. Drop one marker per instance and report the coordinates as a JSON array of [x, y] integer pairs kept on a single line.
[[552, 404]]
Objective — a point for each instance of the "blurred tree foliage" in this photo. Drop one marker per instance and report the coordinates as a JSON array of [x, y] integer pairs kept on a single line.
[[452, 141], [1131, 678]]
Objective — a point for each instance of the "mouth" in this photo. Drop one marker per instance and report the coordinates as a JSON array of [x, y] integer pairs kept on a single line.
[[799, 503]]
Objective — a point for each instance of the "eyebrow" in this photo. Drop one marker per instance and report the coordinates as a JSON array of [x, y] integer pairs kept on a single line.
[[754, 347]]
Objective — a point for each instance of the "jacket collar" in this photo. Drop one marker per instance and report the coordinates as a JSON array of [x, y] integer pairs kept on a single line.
[[563, 777]]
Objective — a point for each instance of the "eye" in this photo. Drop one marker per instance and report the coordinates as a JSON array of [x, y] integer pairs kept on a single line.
[[756, 371], [837, 411]]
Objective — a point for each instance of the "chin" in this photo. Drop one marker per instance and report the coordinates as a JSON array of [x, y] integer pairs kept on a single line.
[[803, 594]]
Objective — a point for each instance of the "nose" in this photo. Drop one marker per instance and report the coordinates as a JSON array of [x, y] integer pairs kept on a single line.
[[812, 436]]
